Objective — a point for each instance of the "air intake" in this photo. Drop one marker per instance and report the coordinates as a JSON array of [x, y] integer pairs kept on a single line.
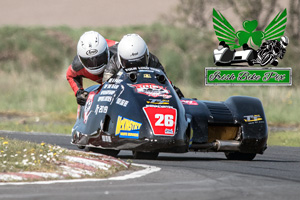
[[219, 112]]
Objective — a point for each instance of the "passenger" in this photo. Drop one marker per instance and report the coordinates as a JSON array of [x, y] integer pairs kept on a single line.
[[132, 51], [93, 53]]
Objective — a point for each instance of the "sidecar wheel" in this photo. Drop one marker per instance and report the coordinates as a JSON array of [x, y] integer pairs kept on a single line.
[[240, 156], [145, 155], [108, 152]]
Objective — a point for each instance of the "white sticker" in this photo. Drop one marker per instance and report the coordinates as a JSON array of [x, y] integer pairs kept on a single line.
[[101, 109], [105, 98], [106, 138], [122, 102], [107, 92]]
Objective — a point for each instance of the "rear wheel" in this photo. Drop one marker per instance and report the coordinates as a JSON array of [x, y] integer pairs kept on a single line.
[[145, 155], [80, 147], [109, 152], [240, 156]]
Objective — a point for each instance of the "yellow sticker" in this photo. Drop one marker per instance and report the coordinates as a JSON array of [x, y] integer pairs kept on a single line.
[[252, 118], [127, 128], [147, 76]]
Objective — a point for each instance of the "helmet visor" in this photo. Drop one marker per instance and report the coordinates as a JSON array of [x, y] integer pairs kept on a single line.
[[138, 62], [95, 62], [284, 44]]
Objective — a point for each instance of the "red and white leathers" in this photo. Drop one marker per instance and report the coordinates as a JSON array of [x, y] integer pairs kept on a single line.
[[76, 71]]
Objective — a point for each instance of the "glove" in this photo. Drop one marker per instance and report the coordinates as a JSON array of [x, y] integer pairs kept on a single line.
[[81, 97]]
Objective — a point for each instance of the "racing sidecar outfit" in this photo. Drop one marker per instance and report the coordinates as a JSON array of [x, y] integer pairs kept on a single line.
[[76, 71]]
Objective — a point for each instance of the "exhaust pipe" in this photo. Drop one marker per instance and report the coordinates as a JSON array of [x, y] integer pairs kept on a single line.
[[218, 145], [228, 145]]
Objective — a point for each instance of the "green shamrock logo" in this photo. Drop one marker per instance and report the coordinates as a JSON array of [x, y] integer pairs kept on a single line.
[[225, 32], [255, 37]]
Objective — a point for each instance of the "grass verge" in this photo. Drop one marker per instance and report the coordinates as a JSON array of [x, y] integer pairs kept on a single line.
[[284, 138], [17, 156], [22, 156]]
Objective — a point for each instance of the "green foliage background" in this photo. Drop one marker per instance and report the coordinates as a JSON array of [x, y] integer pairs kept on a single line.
[[49, 51], [34, 60]]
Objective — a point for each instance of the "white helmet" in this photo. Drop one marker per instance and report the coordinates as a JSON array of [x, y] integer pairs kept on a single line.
[[284, 41], [133, 51], [92, 51]]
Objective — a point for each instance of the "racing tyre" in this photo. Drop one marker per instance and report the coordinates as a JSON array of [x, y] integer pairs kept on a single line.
[[145, 155], [240, 156], [108, 152]]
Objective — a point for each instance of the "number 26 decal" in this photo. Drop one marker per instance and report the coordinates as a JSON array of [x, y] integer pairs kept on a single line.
[[164, 120]]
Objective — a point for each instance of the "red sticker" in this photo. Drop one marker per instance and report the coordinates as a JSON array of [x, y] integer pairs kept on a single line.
[[162, 120], [189, 102], [88, 105], [152, 90]]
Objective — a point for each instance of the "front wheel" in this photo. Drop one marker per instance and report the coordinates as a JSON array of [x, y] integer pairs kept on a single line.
[[108, 152], [145, 155], [240, 156]]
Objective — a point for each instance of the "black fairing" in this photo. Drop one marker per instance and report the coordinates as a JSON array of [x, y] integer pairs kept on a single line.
[[254, 131], [120, 98], [241, 111]]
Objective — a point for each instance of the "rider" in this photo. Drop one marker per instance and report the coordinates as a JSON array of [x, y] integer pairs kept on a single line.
[[132, 51], [270, 50], [93, 53]]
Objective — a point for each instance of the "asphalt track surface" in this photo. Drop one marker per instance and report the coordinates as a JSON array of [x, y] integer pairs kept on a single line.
[[274, 175]]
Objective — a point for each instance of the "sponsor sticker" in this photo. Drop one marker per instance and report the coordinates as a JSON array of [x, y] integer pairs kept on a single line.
[[107, 92], [162, 120], [158, 101], [189, 102], [88, 105], [253, 119], [152, 90], [122, 102], [101, 109], [115, 80], [111, 86], [106, 138], [127, 128], [104, 99], [147, 76]]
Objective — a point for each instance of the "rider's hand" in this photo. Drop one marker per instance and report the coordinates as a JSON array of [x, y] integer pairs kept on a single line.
[[81, 97]]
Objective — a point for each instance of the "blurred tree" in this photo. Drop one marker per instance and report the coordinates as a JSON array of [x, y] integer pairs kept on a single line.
[[294, 17], [259, 10], [192, 13], [197, 13]]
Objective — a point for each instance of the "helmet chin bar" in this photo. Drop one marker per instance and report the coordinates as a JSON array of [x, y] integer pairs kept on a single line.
[[137, 62], [96, 71]]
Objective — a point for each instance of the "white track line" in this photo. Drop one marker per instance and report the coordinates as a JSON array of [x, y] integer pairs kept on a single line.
[[137, 174]]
